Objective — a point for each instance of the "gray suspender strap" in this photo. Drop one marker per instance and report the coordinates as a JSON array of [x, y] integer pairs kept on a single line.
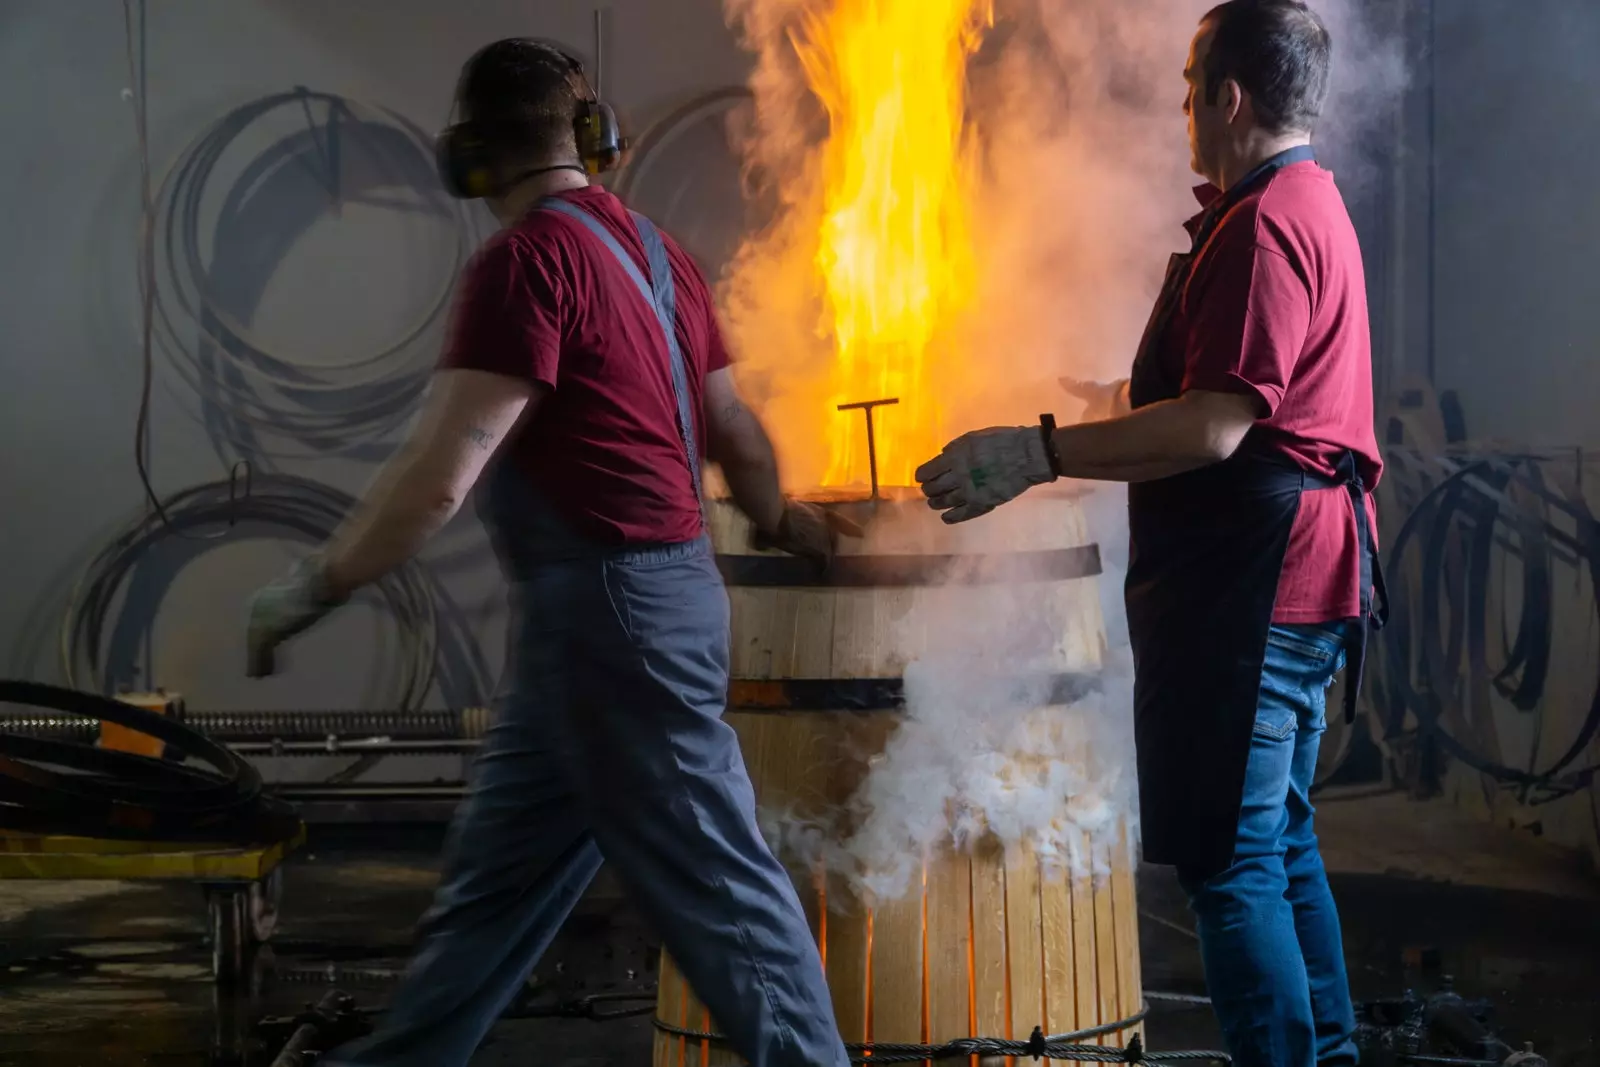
[[666, 304], [660, 294]]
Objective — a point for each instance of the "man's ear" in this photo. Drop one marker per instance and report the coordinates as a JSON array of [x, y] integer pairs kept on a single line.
[[1231, 98]]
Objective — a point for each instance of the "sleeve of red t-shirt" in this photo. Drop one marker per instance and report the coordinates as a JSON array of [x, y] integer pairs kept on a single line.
[[1249, 311], [717, 357], [507, 317]]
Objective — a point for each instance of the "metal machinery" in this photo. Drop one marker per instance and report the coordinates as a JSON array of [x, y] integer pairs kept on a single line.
[[369, 737]]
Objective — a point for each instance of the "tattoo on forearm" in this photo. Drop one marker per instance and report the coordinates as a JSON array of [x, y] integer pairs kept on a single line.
[[732, 412], [481, 437]]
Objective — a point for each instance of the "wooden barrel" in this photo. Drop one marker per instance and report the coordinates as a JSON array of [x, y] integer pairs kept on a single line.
[[992, 943]]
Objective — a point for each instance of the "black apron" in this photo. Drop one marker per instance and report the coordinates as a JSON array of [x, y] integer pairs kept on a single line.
[[1206, 553]]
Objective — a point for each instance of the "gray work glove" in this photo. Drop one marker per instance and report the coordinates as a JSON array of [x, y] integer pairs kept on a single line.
[[286, 607], [808, 531], [979, 471]]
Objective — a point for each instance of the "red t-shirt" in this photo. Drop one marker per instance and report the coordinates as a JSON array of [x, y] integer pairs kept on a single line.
[[1277, 307], [546, 301]]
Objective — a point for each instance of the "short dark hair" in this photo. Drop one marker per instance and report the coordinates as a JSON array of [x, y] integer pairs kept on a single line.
[[1279, 52], [525, 92]]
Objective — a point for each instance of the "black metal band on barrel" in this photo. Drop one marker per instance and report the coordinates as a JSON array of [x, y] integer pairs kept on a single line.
[[763, 696], [866, 572]]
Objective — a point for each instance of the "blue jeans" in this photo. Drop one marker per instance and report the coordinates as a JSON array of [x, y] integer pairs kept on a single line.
[[610, 744], [1269, 931]]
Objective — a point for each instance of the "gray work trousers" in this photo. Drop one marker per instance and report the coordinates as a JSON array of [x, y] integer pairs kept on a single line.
[[609, 745]]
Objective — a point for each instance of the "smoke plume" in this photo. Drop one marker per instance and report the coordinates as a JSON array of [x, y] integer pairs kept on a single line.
[[1080, 184]]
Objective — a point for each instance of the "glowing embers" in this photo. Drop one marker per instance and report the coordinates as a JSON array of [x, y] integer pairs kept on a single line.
[[894, 246]]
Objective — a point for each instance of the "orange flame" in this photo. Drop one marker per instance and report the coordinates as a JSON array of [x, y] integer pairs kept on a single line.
[[894, 249]]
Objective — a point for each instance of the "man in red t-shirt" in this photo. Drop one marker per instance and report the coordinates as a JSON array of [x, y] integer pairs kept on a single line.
[[585, 355], [1246, 433]]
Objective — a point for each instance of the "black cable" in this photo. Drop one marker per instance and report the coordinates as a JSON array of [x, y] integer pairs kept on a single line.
[[327, 407], [289, 504], [136, 50]]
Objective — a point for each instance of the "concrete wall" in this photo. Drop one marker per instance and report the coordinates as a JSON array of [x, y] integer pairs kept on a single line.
[[1516, 111]]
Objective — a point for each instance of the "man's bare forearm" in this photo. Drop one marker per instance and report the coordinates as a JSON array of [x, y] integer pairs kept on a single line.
[[751, 471], [400, 511], [1157, 441], [468, 414]]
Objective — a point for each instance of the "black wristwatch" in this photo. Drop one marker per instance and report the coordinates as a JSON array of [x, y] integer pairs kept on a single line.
[[1047, 430]]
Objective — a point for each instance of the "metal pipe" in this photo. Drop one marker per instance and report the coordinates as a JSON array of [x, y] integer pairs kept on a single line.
[[599, 52], [336, 746], [313, 791], [282, 726], [332, 1013], [866, 408]]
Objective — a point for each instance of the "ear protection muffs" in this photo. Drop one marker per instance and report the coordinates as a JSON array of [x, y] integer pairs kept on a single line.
[[600, 140], [466, 153]]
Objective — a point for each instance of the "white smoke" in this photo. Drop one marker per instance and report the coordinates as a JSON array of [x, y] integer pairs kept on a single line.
[[981, 750], [1084, 184]]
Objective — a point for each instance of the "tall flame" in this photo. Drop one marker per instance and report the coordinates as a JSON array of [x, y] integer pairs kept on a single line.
[[895, 245]]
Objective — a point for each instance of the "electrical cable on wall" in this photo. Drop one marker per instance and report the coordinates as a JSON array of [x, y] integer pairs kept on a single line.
[[254, 386], [246, 387], [135, 33], [243, 387], [433, 638]]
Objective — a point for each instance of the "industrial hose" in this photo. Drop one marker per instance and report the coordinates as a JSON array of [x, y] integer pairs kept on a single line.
[[64, 787], [434, 641]]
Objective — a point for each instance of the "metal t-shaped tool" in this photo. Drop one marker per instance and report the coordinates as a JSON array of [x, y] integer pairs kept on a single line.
[[865, 407]]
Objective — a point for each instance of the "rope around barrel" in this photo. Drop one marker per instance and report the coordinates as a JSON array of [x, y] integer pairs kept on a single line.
[[1063, 1047]]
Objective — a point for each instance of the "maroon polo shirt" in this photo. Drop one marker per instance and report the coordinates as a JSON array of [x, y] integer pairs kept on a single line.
[[1276, 308], [547, 302]]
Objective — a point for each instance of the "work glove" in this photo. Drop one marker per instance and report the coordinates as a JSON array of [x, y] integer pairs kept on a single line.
[[286, 607], [979, 471], [808, 531], [1102, 400]]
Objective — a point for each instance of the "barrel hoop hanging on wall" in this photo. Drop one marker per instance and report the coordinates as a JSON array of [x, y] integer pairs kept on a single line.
[[895, 571]]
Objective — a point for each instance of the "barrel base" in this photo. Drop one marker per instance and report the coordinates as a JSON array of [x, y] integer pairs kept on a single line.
[[991, 946]]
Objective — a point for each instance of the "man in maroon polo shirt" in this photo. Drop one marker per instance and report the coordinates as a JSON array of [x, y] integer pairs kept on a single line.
[[586, 362], [1245, 432]]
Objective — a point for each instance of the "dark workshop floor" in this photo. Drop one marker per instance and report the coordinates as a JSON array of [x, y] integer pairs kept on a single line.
[[113, 975]]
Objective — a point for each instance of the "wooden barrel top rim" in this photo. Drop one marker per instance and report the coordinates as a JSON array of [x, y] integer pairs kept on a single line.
[[900, 571]]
